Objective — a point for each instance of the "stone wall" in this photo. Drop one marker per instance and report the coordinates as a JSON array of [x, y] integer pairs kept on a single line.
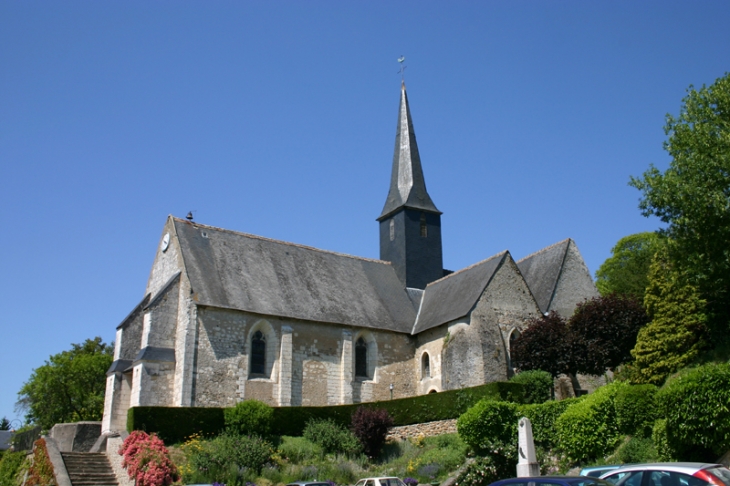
[[574, 284], [476, 352], [307, 363], [430, 342], [428, 429], [115, 460], [167, 262]]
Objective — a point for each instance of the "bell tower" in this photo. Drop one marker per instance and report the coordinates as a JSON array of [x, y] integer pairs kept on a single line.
[[410, 223]]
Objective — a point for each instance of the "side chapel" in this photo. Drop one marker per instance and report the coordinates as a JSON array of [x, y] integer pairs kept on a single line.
[[229, 316]]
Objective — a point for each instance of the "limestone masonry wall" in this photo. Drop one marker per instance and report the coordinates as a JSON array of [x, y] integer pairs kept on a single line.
[[574, 285], [428, 429]]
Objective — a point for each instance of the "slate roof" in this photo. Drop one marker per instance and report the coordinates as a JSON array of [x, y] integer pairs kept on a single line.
[[407, 185], [454, 296], [250, 273], [541, 271]]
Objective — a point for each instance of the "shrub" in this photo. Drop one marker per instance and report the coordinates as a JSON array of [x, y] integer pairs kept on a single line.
[[636, 409], [229, 458], [10, 466], [636, 450], [659, 437], [250, 417], [147, 460], [695, 404], [299, 449], [589, 429], [538, 385], [331, 437], [490, 427], [370, 426], [482, 472], [542, 417]]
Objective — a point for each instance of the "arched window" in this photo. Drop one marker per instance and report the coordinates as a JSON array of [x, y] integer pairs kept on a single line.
[[512, 338], [424, 227], [425, 366], [258, 354], [361, 358]]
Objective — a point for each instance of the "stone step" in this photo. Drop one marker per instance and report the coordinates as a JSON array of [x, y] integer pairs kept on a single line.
[[89, 469]]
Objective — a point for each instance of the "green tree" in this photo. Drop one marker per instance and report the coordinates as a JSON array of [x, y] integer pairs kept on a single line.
[[677, 330], [69, 387], [693, 195], [4, 424], [626, 271]]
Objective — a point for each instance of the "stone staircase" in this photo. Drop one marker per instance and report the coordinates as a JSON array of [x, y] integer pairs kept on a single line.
[[89, 469]]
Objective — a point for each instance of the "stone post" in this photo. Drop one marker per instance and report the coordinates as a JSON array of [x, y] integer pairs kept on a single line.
[[527, 465], [285, 367]]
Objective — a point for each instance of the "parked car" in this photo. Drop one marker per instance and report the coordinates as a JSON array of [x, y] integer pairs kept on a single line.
[[670, 474], [552, 481], [598, 471], [386, 481]]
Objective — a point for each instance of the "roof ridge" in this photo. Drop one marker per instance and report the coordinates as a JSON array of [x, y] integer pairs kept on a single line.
[[501, 253], [544, 249], [287, 243]]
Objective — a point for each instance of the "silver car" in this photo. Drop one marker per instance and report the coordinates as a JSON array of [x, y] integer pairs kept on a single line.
[[670, 474]]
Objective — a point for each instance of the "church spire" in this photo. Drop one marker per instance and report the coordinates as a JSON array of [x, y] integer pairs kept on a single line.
[[410, 224], [407, 185]]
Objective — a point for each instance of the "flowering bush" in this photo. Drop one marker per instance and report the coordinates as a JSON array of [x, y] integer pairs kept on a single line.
[[40, 472], [410, 481], [147, 460], [481, 472]]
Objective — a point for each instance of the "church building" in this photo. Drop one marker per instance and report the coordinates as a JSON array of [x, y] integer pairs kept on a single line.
[[228, 316]]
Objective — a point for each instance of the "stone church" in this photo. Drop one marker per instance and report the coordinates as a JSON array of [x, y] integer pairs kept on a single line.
[[229, 316]]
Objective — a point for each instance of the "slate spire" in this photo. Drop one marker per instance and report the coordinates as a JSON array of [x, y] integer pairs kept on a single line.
[[407, 185], [410, 224]]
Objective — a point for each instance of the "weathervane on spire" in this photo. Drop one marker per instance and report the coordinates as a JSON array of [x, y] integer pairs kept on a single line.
[[401, 60]]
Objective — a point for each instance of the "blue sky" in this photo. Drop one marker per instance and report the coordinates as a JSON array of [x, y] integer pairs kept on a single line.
[[278, 119]]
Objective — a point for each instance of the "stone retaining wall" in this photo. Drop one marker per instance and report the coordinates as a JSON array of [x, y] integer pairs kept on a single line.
[[428, 429]]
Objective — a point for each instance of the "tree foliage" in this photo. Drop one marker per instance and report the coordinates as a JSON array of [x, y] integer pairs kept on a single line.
[[545, 345], [599, 336], [693, 195], [604, 331], [69, 387], [677, 330], [626, 271], [370, 426]]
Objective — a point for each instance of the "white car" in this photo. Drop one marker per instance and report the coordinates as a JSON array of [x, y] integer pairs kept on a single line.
[[670, 474], [382, 482]]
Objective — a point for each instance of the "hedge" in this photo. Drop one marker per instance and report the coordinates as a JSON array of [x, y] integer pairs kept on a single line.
[[695, 405], [589, 429], [175, 424], [543, 417]]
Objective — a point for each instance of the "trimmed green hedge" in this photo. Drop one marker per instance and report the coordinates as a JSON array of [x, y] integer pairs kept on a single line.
[[589, 429], [174, 424], [695, 405], [543, 417]]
